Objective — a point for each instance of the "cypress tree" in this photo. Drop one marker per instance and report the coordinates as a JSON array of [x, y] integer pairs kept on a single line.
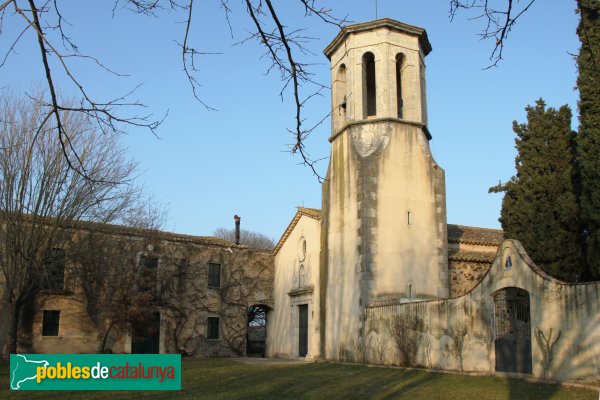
[[540, 204], [588, 140]]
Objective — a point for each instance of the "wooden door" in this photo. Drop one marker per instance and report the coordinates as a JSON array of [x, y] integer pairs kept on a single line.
[[303, 330]]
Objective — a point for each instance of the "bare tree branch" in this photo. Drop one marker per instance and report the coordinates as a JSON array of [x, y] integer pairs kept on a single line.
[[100, 112], [191, 52], [285, 48], [12, 47], [498, 22], [41, 195], [280, 46]]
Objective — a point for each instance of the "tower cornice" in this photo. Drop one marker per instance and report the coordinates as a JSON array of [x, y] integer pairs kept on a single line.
[[380, 120], [377, 24]]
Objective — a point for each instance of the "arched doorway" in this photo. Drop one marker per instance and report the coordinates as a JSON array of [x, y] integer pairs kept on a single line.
[[256, 334], [513, 330]]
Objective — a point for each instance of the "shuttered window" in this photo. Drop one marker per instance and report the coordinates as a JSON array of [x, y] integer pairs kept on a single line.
[[214, 275], [54, 265], [212, 331], [50, 323]]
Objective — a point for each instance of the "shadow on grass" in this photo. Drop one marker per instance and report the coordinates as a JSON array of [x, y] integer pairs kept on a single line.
[[227, 379]]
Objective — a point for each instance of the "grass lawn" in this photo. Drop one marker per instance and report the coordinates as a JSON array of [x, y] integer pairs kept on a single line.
[[229, 379]]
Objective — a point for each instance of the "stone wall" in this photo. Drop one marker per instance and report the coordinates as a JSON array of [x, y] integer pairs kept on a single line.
[[460, 333], [465, 275], [471, 252], [184, 299]]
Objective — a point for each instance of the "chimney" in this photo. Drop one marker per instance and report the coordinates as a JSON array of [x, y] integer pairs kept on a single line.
[[237, 229]]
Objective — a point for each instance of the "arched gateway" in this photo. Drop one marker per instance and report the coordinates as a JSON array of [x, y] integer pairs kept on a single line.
[[513, 330], [256, 335]]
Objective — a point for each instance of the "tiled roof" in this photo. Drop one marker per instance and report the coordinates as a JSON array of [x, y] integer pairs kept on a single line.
[[113, 229], [309, 212], [472, 256], [474, 235], [149, 233], [456, 234]]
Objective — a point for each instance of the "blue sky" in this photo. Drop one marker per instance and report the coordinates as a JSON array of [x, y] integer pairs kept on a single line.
[[209, 165]]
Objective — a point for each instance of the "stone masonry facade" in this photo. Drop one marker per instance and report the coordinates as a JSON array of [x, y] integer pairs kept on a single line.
[[192, 315]]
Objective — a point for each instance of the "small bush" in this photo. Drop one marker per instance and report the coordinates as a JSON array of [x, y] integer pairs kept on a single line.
[[406, 333]]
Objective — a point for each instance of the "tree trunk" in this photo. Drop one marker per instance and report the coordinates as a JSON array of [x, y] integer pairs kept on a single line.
[[105, 337], [4, 321], [14, 311]]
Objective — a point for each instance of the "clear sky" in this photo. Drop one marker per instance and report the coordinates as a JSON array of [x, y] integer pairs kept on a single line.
[[209, 165]]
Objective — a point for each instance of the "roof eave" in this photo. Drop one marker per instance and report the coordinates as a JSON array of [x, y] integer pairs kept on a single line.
[[378, 24]]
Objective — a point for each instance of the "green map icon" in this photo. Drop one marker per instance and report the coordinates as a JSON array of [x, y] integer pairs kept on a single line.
[[23, 369], [95, 372]]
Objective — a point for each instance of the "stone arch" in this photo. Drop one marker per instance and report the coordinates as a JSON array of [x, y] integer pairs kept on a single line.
[[399, 98], [369, 85], [256, 330], [339, 90]]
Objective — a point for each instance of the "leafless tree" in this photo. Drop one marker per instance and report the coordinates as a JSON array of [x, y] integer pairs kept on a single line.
[[379, 346], [252, 239], [406, 331], [41, 195], [498, 18], [457, 335], [118, 277], [285, 47], [186, 300]]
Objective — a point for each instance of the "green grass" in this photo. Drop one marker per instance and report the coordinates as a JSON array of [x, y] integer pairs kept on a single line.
[[229, 379]]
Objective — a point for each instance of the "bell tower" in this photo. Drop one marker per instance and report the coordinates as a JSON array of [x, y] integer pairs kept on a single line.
[[378, 71], [384, 236]]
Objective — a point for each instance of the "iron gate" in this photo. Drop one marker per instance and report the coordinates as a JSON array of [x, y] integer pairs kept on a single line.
[[513, 331]]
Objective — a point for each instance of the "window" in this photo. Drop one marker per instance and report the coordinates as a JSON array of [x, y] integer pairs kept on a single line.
[[214, 275], [182, 268], [148, 265], [369, 87], [340, 89], [148, 279], [50, 323], [423, 95], [410, 290], [212, 328], [399, 100], [54, 265]]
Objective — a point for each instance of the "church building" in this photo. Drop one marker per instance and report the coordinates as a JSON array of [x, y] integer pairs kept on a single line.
[[379, 258], [376, 275]]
